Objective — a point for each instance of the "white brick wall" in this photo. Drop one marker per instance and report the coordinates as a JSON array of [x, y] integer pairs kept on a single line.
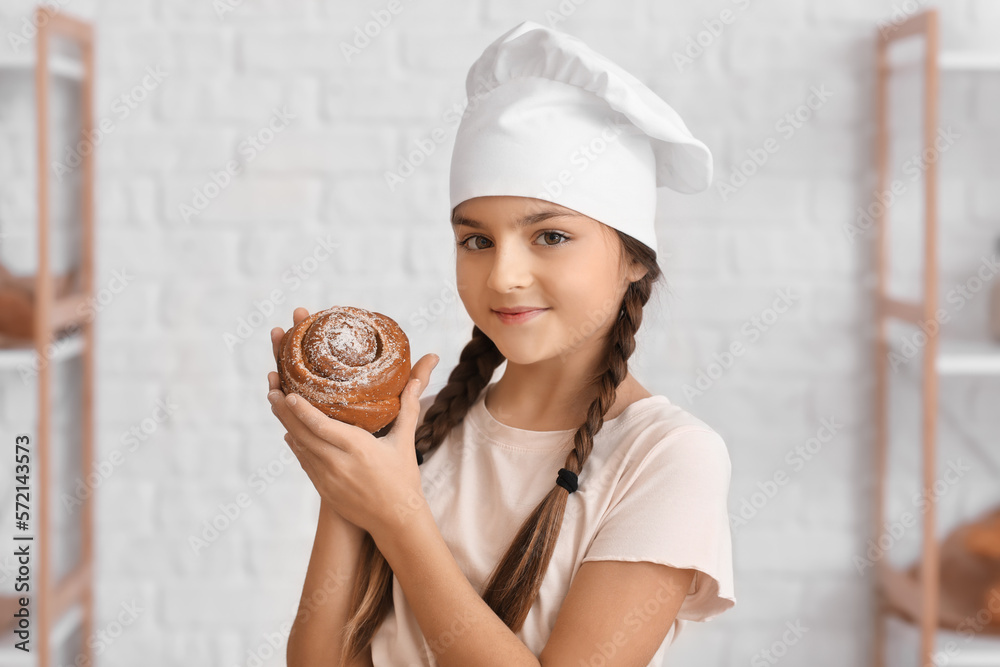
[[726, 260]]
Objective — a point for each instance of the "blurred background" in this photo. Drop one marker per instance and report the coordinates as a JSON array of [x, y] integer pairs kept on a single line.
[[249, 157]]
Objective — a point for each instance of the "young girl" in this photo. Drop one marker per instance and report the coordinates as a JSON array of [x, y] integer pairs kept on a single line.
[[563, 514]]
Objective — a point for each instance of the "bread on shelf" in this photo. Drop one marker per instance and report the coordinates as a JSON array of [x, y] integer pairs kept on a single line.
[[17, 302], [970, 576]]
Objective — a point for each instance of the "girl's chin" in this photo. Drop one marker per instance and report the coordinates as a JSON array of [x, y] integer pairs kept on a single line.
[[518, 344], [522, 353]]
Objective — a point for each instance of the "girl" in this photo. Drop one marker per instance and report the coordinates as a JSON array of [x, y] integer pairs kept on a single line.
[[563, 514]]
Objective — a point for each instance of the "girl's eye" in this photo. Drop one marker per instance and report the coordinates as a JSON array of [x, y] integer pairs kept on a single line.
[[464, 244], [553, 233]]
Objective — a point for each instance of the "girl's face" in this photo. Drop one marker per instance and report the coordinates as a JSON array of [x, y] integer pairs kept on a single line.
[[523, 252]]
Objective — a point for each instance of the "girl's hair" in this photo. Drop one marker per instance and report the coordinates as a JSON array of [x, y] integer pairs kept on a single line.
[[514, 583]]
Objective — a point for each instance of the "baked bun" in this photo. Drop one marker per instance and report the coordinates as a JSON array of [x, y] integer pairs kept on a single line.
[[351, 363]]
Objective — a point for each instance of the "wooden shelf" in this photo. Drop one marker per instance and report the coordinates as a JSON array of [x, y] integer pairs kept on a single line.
[[950, 61], [66, 347], [60, 66], [960, 357], [974, 651], [968, 357], [956, 61]]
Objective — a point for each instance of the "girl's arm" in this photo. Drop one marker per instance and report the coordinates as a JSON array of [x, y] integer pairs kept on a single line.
[[460, 628], [315, 637]]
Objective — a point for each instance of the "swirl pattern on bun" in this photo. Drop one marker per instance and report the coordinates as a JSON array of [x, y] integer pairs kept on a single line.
[[351, 363]]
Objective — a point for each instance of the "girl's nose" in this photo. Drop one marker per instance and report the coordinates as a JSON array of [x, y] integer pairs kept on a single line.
[[511, 268]]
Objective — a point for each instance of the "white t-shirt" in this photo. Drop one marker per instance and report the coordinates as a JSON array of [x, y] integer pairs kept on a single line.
[[655, 488]]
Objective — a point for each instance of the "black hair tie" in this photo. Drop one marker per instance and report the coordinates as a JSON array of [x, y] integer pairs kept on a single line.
[[567, 479], [420, 457]]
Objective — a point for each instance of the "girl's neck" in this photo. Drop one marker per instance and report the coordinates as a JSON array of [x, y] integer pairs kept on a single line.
[[538, 409]]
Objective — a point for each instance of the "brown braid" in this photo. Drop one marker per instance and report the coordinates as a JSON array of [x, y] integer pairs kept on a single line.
[[514, 583]]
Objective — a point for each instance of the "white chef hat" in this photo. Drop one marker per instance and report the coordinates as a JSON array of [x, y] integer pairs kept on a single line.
[[550, 118]]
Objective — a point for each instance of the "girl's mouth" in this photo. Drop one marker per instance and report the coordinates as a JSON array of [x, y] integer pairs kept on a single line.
[[518, 318]]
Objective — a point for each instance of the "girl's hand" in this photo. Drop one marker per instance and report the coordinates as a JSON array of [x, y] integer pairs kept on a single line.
[[372, 482]]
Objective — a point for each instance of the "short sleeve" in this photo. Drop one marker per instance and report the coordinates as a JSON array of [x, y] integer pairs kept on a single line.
[[674, 511]]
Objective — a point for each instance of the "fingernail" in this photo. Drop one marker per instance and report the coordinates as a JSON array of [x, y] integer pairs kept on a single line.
[[291, 399], [272, 396]]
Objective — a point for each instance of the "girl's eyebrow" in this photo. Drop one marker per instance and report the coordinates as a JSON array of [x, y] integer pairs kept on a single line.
[[527, 220]]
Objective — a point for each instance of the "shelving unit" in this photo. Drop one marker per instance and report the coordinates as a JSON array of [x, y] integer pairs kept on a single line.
[[899, 595], [62, 331]]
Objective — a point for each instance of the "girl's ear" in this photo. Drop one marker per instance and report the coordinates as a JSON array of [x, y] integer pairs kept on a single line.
[[636, 271]]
